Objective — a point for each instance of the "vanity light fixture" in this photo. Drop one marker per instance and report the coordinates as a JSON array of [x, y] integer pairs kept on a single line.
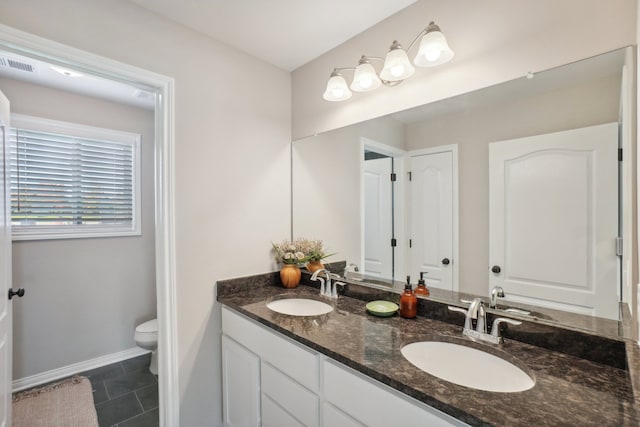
[[433, 50]]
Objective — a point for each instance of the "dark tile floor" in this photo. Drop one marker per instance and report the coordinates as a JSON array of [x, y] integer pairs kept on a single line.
[[125, 393]]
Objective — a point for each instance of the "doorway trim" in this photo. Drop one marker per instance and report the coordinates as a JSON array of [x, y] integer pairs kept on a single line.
[[29, 45]]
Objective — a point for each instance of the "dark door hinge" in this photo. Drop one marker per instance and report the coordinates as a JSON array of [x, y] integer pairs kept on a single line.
[[410, 242], [394, 243], [393, 177], [409, 176], [619, 154]]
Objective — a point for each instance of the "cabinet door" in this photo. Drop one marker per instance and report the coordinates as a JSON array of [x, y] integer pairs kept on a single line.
[[240, 385]]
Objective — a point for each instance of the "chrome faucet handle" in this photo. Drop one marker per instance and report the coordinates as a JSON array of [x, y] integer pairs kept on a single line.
[[495, 327], [496, 292], [467, 318], [346, 269], [334, 291], [481, 323], [321, 285]]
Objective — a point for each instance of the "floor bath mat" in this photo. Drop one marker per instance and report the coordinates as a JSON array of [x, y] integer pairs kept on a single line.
[[68, 403]]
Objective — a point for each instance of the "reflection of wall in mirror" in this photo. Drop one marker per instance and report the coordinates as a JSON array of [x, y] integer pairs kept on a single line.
[[578, 106], [327, 185]]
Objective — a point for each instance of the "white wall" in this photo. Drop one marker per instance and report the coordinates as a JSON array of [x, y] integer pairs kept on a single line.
[[493, 40], [232, 161], [84, 297]]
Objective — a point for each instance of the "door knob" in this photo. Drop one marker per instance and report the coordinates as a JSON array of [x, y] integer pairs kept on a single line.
[[496, 269], [446, 261], [19, 293]]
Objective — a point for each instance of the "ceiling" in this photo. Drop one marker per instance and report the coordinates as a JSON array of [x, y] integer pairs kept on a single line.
[[285, 33]]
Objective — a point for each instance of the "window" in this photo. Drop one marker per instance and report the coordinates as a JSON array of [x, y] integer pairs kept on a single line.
[[70, 180]]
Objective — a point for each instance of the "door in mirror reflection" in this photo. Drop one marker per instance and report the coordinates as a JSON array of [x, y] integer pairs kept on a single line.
[[432, 218], [378, 215], [554, 219]]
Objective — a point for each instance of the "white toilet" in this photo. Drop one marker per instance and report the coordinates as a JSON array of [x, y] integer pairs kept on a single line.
[[146, 337]]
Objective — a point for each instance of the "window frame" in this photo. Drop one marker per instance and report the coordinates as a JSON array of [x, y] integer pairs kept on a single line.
[[40, 232]]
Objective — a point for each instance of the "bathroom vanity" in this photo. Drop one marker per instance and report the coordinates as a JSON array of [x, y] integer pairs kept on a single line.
[[345, 368]]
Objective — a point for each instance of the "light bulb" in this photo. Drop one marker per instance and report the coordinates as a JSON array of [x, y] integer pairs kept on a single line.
[[366, 82], [397, 70], [432, 55]]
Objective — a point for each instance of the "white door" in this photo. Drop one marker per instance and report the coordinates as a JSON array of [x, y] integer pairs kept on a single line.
[[378, 218], [554, 219], [5, 268], [432, 219]]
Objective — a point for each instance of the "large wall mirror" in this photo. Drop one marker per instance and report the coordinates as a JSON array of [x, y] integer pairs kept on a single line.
[[516, 185]]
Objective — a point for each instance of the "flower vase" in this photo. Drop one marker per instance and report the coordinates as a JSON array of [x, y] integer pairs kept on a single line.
[[312, 266], [290, 275]]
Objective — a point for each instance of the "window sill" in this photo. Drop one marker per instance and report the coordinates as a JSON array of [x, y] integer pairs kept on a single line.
[[18, 235]]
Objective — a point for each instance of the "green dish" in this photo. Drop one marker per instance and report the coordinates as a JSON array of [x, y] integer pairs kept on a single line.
[[382, 308]]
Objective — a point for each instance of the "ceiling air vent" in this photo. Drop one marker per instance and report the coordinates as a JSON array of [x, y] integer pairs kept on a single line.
[[17, 65]]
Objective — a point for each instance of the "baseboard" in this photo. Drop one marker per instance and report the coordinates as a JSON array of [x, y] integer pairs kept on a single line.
[[66, 371]]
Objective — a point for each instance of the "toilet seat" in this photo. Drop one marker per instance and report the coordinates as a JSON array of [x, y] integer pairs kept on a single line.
[[147, 330]]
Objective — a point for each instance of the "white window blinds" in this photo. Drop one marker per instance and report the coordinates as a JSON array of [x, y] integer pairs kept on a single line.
[[68, 180]]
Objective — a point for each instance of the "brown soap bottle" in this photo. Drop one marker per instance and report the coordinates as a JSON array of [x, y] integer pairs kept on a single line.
[[421, 289], [408, 302]]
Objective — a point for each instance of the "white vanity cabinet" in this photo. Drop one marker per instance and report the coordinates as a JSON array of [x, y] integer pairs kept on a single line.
[[269, 380], [280, 383]]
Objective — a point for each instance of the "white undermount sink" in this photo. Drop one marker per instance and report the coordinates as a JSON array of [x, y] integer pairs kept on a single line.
[[299, 307], [467, 366]]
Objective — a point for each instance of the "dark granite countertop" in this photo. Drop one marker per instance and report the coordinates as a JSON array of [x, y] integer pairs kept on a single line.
[[569, 390]]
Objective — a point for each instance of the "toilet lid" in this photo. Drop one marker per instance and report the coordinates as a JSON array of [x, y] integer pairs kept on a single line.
[[148, 327]]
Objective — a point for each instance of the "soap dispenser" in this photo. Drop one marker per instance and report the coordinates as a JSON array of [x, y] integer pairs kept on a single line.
[[408, 301], [421, 289]]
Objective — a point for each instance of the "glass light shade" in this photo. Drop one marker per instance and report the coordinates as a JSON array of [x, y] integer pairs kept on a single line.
[[365, 78], [337, 89], [434, 50], [396, 66]]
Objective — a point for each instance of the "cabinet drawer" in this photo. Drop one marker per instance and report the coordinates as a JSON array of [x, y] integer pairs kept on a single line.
[[291, 396], [333, 416], [274, 416], [375, 404], [297, 361]]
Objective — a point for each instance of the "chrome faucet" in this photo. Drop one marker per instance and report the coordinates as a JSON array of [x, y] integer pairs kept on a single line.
[[346, 269], [496, 292], [325, 287], [477, 312]]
